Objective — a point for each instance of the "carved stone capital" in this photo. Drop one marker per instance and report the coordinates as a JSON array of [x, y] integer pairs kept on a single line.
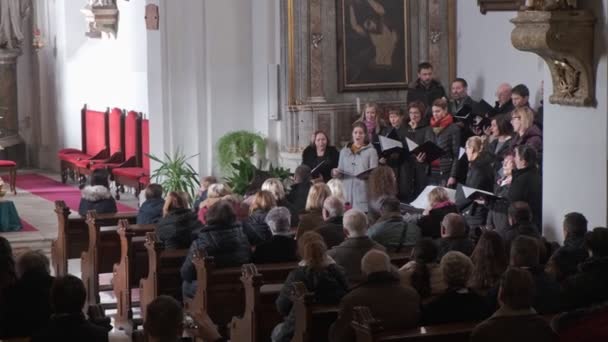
[[564, 39], [101, 18]]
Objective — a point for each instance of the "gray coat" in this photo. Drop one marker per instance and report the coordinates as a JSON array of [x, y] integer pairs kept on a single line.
[[355, 188], [389, 232]]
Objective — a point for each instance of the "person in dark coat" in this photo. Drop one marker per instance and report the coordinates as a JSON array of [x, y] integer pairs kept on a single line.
[[179, 224], [446, 135], [498, 218], [440, 205], [27, 307], [320, 156], [461, 106], [8, 274], [582, 325], [419, 132], [97, 195], [526, 132], [299, 190], [255, 226], [500, 140], [526, 185], [320, 275], [458, 303], [589, 286], [454, 236], [504, 104], [276, 188], [425, 89], [516, 319], [525, 254], [348, 254], [575, 228], [480, 176], [391, 231], [401, 162], [68, 323], [281, 247], [332, 229], [151, 211], [520, 223], [202, 194], [222, 238], [398, 307]]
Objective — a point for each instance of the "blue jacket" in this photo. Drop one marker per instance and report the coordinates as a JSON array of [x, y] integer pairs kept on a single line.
[[227, 244], [98, 198], [151, 211]]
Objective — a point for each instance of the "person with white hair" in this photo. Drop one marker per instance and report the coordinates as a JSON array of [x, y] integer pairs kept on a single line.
[[397, 306], [349, 253], [504, 104], [281, 247], [332, 229]]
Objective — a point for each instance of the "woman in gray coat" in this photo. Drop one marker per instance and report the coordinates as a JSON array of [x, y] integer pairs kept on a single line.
[[356, 158]]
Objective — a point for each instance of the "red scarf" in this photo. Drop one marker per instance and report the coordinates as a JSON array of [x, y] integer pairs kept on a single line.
[[443, 123]]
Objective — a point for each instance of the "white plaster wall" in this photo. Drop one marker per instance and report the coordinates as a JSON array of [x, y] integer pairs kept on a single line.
[[576, 147], [486, 58], [108, 72]]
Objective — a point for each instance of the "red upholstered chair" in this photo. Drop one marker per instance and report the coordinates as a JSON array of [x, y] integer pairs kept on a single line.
[[94, 130], [116, 136], [11, 167], [138, 176]]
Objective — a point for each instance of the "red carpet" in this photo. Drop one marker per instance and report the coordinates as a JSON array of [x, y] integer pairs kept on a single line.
[[52, 190]]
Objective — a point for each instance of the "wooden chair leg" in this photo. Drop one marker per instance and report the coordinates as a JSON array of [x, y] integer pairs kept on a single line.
[[13, 180]]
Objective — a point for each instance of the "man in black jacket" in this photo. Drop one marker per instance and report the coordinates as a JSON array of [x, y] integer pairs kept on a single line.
[[504, 104], [425, 88], [332, 229], [68, 323], [575, 228], [152, 209], [282, 246], [454, 236]]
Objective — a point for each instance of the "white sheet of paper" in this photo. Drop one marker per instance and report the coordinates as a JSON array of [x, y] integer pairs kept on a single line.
[[388, 143], [461, 153], [422, 201], [468, 191], [411, 145]]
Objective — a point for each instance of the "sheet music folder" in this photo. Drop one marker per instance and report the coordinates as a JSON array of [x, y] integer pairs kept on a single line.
[[429, 148]]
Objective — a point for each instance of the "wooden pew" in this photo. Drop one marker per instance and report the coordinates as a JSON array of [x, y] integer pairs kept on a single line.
[[102, 253], [163, 276], [73, 237], [132, 267], [312, 320]]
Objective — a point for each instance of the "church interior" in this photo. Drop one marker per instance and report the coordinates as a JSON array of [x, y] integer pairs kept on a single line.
[[303, 170]]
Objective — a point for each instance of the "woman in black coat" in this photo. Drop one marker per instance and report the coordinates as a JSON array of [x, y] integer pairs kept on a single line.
[[179, 224], [527, 182], [320, 155], [255, 226], [97, 195], [446, 135], [502, 133], [419, 132], [480, 176]]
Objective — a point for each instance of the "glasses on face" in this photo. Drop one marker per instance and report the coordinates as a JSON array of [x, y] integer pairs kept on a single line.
[[515, 117]]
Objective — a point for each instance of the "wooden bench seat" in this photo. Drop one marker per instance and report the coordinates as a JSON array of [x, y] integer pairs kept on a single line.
[[73, 234]]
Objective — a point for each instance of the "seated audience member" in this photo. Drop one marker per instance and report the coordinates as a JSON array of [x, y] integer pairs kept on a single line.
[[68, 323], [97, 195], [202, 192], [398, 307], [164, 322], [8, 274], [489, 262], [516, 319], [382, 183], [525, 254], [504, 104], [423, 272], [179, 224], [390, 230], [562, 265], [151, 211], [589, 285], [313, 216], [332, 229], [320, 275], [276, 188], [222, 238], [337, 190], [526, 185], [575, 228], [255, 226], [498, 209], [480, 176], [454, 236], [320, 155], [281, 247], [348, 254], [28, 308], [458, 303], [439, 206], [299, 190], [582, 325], [215, 193], [520, 223]]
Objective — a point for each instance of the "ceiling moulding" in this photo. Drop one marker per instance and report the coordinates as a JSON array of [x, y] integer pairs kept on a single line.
[[102, 17], [563, 37]]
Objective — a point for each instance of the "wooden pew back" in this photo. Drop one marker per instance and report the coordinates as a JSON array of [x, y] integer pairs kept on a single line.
[[163, 276], [312, 320]]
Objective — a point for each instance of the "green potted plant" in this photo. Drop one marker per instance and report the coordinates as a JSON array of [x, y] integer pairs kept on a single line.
[[176, 174], [239, 145]]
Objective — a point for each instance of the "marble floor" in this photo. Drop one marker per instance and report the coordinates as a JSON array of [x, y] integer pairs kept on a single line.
[[40, 213]]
